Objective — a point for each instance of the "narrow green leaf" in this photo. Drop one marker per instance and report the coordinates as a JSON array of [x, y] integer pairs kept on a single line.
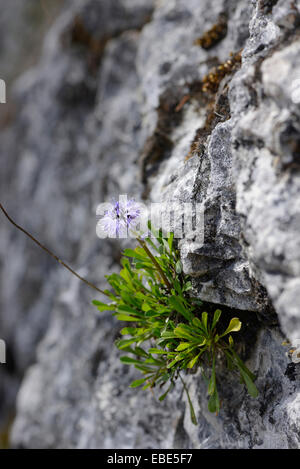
[[204, 320], [153, 361], [157, 351], [163, 396], [148, 385], [178, 267], [252, 389], [152, 244], [168, 335], [166, 246], [212, 381], [188, 286], [241, 365], [124, 317], [103, 306], [152, 314], [192, 411], [176, 360], [130, 361], [138, 382], [144, 368], [182, 333], [184, 346], [170, 241], [141, 352], [214, 402], [193, 362], [128, 330], [121, 344], [234, 326], [176, 303], [133, 253], [216, 318], [197, 323], [127, 309]]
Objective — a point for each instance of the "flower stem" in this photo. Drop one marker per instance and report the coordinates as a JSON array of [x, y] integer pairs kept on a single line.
[[51, 253], [192, 411], [150, 255]]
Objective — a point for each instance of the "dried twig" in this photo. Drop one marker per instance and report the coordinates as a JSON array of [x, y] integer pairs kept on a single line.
[[51, 253]]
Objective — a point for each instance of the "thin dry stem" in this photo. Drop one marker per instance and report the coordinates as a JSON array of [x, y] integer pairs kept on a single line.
[[51, 253]]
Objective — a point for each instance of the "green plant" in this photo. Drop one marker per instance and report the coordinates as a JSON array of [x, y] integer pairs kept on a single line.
[[167, 330]]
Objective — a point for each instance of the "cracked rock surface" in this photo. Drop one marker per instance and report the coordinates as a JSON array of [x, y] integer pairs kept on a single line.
[[117, 105]]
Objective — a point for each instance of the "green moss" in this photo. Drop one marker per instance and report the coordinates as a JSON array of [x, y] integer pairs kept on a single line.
[[214, 35]]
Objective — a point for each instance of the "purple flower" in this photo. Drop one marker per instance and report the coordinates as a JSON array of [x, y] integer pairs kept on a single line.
[[122, 216]]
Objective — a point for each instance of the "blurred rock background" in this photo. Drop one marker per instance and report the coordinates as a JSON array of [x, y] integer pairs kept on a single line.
[[23, 26], [113, 103]]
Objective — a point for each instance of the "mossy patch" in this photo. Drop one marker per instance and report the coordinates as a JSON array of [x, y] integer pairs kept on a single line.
[[214, 35]]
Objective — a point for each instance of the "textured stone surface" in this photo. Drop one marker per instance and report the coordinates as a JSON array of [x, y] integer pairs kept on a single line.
[[63, 183], [113, 104], [266, 161], [28, 20]]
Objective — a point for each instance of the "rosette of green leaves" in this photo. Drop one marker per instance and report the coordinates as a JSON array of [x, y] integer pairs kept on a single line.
[[166, 330]]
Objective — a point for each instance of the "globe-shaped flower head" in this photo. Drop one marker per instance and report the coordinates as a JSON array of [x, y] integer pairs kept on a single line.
[[118, 220]]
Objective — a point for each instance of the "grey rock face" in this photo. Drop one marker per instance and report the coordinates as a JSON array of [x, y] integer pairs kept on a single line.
[[117, 97], [28, 20], [49, 111], [266, 160]]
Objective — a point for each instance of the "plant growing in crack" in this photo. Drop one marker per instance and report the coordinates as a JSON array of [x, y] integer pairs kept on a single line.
[[166, 331]]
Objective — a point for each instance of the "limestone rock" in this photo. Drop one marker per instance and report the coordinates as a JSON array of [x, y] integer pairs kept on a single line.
[[116, 106]]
